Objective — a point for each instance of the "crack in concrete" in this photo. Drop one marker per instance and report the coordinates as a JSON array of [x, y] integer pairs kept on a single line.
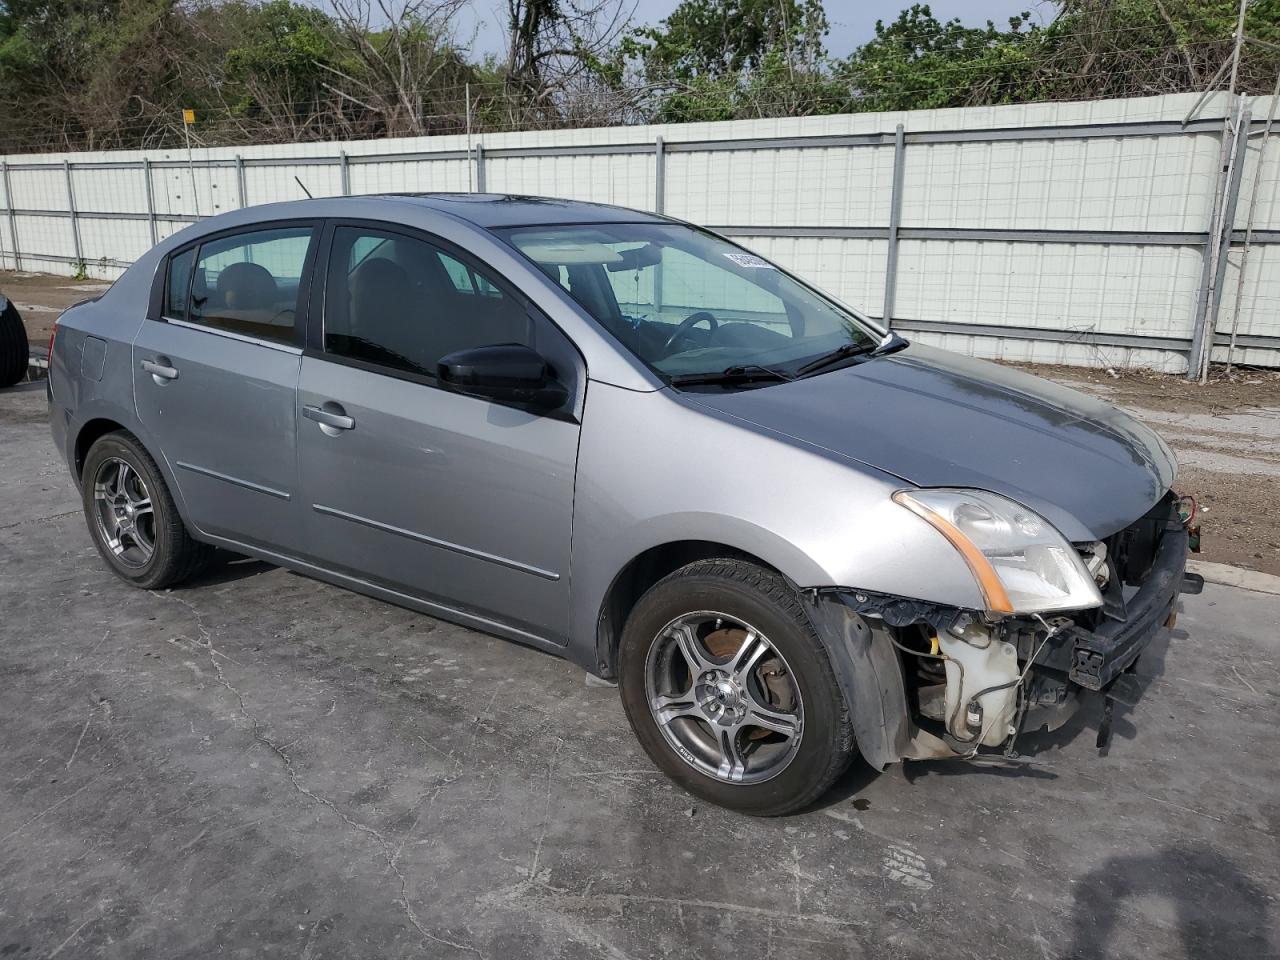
[[546, 811], [53, 516], [390, 854]]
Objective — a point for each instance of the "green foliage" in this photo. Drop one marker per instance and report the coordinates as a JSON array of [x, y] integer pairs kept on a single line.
[[918, 62], [78, 64], [723, 39], [116, 73], [720, 59], [277, 46]]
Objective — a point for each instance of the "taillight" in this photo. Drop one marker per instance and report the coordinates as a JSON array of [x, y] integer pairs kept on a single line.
[[52, 336]]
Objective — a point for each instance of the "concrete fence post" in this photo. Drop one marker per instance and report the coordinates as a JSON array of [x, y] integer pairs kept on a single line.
[[241, 189], [75, 220], [13, 217], [345, 172], [895, 221], [659, 176], [151, 201], [1235, 142], [480, 168]]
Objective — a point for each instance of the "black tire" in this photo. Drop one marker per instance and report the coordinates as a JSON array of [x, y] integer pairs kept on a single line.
[[176, 556], [772, 605], [15, 354]]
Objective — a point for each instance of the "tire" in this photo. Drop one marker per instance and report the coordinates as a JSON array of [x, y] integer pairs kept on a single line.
[[15, 354], [174, 555], [722, 603]]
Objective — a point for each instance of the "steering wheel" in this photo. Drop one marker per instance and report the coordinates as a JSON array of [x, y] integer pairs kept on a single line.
[[688, 324]]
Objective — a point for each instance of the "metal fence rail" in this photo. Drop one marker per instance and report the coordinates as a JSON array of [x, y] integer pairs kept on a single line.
[[79, 209]]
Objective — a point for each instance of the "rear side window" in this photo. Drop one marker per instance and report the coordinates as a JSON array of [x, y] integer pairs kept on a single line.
[[248, 283], [403, 303]]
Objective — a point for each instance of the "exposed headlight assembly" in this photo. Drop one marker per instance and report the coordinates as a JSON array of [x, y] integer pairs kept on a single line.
[[1022, 564]]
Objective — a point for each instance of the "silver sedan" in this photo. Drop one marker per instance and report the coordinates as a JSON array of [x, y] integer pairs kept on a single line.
[[789, 534]]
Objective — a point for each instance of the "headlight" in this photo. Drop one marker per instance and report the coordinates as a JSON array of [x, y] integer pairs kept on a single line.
[[1021, 563]]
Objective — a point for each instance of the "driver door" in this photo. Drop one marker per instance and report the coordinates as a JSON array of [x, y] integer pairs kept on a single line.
[[456, 500]]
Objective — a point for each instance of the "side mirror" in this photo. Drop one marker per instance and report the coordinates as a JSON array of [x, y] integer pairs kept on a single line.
[[508, 373]]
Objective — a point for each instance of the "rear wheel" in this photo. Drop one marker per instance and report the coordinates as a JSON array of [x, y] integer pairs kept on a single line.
[[730, 691], [14, 351], [132, 517]]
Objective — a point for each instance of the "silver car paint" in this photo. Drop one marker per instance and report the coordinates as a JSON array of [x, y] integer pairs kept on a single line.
[[934, 418], [229, 440], [449, 497], [654, 467], [658, 468]]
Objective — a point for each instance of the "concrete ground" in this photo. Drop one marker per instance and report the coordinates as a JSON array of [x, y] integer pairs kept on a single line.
[[260, 765], [1226, 435]]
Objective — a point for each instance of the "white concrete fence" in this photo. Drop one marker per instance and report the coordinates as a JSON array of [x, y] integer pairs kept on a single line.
[[1079, 233]]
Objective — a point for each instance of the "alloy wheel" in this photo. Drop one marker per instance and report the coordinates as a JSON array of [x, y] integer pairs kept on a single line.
[[724, 697], [124, 513]]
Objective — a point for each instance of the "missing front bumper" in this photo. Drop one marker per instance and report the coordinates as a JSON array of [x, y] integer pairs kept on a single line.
[[1066, 662], [1100, 655]]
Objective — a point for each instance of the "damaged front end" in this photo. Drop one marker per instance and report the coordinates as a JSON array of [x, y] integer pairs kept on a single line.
[[927, 681]]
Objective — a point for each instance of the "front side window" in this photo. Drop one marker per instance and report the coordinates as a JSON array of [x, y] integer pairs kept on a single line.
[[249, 283], [688, 303], [404, 303]]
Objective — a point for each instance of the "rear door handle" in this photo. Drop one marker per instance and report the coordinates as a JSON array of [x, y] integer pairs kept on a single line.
[[334, 417], [160, 369]]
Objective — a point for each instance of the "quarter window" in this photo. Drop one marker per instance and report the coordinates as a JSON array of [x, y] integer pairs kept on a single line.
[[178, 285], [403, 303], [249, 283]]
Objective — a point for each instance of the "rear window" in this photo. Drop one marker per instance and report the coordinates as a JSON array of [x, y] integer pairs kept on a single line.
[[248, 283]]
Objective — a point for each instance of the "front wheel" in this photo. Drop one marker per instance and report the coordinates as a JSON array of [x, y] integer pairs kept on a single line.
[[731, 692]]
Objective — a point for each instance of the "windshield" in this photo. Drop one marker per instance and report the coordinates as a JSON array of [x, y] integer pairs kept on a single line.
[[688, 303]]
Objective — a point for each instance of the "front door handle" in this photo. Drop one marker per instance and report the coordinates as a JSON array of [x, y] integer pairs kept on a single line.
[[331, 415], [160, 369]]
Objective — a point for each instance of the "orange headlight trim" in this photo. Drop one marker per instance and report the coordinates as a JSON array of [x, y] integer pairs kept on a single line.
[[993, 593]]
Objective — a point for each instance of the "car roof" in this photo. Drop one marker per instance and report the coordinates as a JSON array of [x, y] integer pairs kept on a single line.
[[511, 210]]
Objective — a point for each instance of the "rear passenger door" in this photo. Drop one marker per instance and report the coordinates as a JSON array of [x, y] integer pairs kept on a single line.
[[453, 499], [216, 376]]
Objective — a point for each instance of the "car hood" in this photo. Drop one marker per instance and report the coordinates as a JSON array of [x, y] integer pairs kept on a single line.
[[934, 418]]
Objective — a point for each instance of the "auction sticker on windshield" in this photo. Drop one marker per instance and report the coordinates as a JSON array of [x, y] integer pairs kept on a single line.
[[750, 260]]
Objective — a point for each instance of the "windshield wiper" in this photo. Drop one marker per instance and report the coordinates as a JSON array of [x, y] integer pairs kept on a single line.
[[735, 374], [890, 344], [842, 352]]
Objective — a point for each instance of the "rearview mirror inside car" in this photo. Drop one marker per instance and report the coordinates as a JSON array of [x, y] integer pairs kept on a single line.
[[636, 258]]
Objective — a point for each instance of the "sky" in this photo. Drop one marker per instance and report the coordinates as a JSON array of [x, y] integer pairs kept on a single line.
[[853, 22]]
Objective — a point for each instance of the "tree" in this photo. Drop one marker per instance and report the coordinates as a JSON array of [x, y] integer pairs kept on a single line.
[[83, 71], [399, 64], [562, 59], [1092, 49], [95, 74], [918, 62], [1128, 48], [259, 69], [717, 59]]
